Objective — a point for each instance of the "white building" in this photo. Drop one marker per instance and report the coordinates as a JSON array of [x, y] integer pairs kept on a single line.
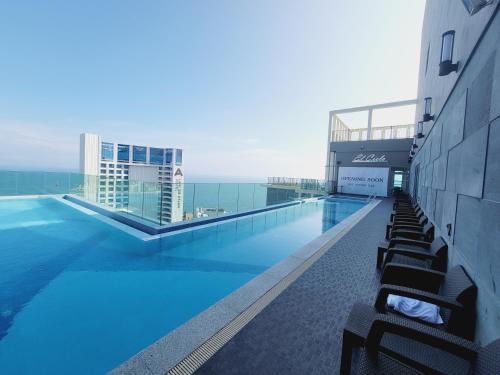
[[143, 180]]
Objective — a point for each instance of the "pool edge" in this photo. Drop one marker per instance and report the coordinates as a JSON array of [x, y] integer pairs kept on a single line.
[[185, 349]]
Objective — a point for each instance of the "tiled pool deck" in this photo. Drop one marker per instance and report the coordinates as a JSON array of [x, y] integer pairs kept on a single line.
[[301, 330]]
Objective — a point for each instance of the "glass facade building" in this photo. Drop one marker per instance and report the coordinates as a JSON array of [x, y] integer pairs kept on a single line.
[[121, 168]]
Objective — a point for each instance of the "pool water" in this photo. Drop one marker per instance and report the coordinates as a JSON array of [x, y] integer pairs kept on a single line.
[[80, 296]]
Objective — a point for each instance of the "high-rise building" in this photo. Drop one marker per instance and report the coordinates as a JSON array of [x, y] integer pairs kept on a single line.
[[133, 178]]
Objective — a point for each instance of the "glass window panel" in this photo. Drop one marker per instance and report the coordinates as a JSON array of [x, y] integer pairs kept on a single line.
[[106, 151], [178, 157], [139, 155], [156, 155], [123, 153], [168, 155]]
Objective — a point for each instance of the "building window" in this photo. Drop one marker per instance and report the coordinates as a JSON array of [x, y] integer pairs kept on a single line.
[[106, 151], [168, 155], [124, 153], [139, 155], [156, 156], [178, 157]]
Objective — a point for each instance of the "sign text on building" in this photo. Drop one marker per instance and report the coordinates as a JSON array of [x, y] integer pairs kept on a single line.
[[363, 180], [369, 158]]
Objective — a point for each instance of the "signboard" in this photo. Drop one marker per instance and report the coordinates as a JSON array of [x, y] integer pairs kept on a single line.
[[369, 158], [363, 181]]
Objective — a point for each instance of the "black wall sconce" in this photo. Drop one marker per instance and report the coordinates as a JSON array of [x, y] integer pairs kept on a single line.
[[427, 109], [446, 65], [414, 145], [474, 6], [412, 153], [420, 129]]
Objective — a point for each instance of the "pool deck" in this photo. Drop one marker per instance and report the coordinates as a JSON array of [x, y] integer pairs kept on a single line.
[[300, 331]]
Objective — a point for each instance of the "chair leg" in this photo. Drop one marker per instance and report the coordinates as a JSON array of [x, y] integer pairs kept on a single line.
[[346, 359], [380, 257]]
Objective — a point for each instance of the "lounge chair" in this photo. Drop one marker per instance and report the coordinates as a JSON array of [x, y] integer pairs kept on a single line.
[[456, 296], [413, 232], [438, 352], [419, 254], [400, 243], [400, 221]]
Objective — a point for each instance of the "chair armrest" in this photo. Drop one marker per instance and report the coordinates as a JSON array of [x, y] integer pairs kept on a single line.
[[406, 241], [433, 298], [412, 277], [417, 254], [434, 337]]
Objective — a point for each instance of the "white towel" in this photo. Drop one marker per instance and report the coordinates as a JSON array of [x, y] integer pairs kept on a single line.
[[415, 308]]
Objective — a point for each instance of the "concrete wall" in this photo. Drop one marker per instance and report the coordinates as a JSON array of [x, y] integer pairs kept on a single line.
[[395, 151], [458, 161]]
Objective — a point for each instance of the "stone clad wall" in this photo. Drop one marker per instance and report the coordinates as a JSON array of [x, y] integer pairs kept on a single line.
[[458, 165]]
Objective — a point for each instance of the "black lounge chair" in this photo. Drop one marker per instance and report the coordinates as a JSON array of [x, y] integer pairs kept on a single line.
[[403, 203], [456, 297], [425, 233], [401, 242], [409, 208], [431, 256], [407, 214], [444, 353], [400, 222]]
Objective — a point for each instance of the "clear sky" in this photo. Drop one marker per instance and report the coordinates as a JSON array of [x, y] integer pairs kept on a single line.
[[243, 86]]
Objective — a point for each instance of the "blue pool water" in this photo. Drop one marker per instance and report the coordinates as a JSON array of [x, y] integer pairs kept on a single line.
[[79, 296]]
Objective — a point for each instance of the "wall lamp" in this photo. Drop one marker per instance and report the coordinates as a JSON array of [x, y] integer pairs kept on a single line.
[[474, 6], [427, 110], [420, 129], [414, 145], [446, 65]]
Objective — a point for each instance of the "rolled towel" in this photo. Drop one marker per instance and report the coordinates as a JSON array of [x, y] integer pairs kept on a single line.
[[415, 308]]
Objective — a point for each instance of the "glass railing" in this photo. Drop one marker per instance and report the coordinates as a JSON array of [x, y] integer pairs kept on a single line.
[[301, 183], [160, 203]]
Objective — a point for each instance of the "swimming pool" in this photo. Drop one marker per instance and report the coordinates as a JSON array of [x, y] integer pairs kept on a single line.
[[79, 296]]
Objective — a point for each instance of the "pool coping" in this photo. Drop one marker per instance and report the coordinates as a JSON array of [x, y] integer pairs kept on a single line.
[[153, 229], [186, 348]]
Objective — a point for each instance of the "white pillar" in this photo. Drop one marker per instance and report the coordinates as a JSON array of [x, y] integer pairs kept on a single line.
[[369, 131]]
